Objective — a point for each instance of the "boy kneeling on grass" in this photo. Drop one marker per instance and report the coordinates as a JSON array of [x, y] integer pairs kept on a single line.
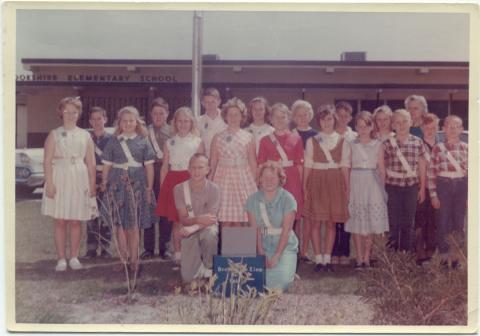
[[447, 185], [197, 201]]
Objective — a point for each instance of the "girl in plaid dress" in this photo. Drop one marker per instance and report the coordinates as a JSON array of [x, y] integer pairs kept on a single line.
[[233, 164]]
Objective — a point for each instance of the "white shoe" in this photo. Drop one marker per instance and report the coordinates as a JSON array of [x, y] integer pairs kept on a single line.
[[61, 265], [75, 264]]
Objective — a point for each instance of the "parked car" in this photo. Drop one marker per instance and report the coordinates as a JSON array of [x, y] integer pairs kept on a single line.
[[29, 173], [28, 169]]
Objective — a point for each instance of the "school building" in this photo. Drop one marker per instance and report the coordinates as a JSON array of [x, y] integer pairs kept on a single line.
[[116, 83]]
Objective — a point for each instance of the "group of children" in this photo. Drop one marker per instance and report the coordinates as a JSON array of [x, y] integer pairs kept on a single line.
[[379, 179]]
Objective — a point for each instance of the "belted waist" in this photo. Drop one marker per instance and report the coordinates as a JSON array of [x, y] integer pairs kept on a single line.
[[99, 167], [395, 174], [127, 165], [68, 160], [270, 231], [363, 168], [179, 166], [454, 174], [325, 166], [288, 163]]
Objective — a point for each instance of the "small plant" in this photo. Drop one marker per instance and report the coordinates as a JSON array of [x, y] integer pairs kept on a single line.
[[407, 294], [237, 306]]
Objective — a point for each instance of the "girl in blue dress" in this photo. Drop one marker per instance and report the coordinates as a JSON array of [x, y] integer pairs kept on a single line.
[[128, 179], [272, 210]]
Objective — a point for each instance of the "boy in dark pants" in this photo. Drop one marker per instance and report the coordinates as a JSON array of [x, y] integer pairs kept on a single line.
[[403, 170], [447, 185], [158, 133], [98, 232], [341, 247]]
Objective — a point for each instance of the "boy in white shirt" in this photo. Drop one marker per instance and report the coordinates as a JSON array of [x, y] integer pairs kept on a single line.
[[211, 122]]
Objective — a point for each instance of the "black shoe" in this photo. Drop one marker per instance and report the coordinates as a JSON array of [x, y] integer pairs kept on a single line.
[[329, 267], [444, 264], [105, 254], [146, 255], [318, 267], [358, 267], [305, 260], [90, 255]]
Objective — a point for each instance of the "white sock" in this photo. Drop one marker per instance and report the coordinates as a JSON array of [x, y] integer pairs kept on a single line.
[[178, 255], [327, 258], [318, 259]]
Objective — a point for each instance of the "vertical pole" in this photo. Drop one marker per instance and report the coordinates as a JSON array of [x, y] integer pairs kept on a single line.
[[197, 62]]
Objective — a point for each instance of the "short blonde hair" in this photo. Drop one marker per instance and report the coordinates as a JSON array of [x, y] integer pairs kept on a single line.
[[74, 101], [281, 107], [212, 92], [275, 167], [298, 104], [401, 113], [265, 104], [187, 112], [140, 128], [417, 98], [452, 117], [234, 103]]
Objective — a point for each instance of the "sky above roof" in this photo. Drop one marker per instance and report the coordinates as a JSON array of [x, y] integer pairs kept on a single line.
[[241, 35]]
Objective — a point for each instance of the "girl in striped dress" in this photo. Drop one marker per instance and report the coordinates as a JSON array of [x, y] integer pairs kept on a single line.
[[177, 152], [233, 164]]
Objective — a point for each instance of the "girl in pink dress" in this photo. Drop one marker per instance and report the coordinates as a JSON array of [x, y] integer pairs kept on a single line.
[[233, 162], [285, 147]]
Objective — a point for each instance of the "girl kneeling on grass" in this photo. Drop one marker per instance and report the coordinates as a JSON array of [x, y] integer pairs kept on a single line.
[[127, 178], [367, 202], [272, 210]]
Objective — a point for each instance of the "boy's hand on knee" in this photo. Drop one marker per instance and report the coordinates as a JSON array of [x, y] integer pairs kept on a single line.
[[435, 203]]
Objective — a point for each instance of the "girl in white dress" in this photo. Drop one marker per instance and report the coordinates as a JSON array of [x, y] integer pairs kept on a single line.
[[258, 114], [69, 191], [368, 201]]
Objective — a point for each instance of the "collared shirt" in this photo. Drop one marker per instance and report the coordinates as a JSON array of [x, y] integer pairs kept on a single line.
[[440, 163], [206, 201], [349, 134], [330, 141], [209, 128], [162, 134], [305, 135], [259, 132], [412, 149], [100, 142]]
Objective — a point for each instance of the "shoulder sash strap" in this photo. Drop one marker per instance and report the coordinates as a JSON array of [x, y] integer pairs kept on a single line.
[[98, 151], [427, 152], [153, 140], [400, 156], [450, 158], [324, 149], [128, 154], [264, 214], [279, 148], [188, 199]]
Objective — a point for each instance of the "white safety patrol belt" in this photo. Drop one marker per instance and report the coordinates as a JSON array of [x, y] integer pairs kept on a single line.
[[130, 160], [403, 161], [153, 140], [326, 152], [450, 158], [188, 205], [427, 153], [283, 155], [295, 131], [269, 229], [98, 151]]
